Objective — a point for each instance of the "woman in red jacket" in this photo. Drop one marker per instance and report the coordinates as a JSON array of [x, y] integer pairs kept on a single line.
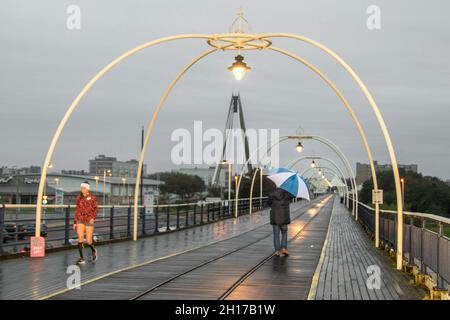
[[85, 214]]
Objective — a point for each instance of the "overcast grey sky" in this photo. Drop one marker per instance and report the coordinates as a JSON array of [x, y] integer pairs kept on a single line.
[[43, 66]]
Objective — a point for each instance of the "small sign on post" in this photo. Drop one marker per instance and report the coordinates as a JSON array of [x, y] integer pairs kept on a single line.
[[149, 202], [37, 247], [377, 197]]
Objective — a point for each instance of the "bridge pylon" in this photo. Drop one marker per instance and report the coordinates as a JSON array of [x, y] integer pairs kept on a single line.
[[235, 108]]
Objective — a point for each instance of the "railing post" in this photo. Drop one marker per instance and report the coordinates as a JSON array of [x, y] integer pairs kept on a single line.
[[111, 223], [217, 210], [186, 222], [156, 218], [66, 225], [178, 217], [232, 208], [143, 220], [395, 238], [201, 213], [213, 215], [195, 214], [411, 256], [128, 221], [207, 211], [2, 223], [168, 218], [371, 214], [387, 235], [439, 279], [422, 263]]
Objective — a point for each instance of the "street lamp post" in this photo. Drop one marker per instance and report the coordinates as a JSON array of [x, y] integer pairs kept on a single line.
[[56, 189], [105, 171], [236, 182], [321, 173], [294, 162], [341, 174], [229, 184], [329, 144], [260, 169], [402, 180], [45, 200], [96, 183], [324, 178], [125, 192]]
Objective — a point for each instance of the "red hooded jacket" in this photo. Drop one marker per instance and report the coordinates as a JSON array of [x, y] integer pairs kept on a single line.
[[87, 208]]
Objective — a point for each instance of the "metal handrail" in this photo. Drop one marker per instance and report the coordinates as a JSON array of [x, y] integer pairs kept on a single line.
[[428, 216], [17, 226], [56, 206], [427, 248]]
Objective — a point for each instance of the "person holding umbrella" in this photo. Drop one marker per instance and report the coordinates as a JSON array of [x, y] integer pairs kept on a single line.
[[280, 217], [289, 185]]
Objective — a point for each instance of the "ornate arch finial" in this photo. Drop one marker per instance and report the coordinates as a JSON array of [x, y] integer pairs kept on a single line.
[[240, 24]]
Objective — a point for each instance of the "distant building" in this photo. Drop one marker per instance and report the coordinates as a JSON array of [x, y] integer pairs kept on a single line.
[[75, 172], [363, 172], [102, 163], [206, 174], [22, 189], [24, 170]]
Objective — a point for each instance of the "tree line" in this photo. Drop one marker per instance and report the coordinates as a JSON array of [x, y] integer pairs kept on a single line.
[[422, 193]]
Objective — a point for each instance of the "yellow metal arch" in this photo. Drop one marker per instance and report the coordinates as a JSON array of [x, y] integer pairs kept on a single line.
[[149, 131], [77, 100], [236, 39], [381, 123]]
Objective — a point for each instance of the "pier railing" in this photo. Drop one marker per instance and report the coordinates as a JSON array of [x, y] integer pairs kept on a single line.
[[114, 222], [426, 239]]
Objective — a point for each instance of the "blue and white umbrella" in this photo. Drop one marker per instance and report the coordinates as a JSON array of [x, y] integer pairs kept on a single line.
[[289, 181]]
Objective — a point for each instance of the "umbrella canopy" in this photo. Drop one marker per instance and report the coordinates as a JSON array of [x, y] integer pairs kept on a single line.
[[289, 181]]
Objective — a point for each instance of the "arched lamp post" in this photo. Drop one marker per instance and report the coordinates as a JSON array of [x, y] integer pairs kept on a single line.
[[320, 139], [236, 41], [313, 158], [321, 173]]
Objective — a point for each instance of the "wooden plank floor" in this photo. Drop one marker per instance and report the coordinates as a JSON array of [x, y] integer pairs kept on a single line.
[[207, 282], [347, 255], [289, 278], [26, 278]]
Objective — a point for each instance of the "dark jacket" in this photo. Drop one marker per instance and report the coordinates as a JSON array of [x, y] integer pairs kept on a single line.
[[279, 201]]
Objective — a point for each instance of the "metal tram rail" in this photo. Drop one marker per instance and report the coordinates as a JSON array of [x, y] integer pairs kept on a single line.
[[244, 276]]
